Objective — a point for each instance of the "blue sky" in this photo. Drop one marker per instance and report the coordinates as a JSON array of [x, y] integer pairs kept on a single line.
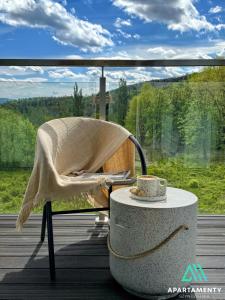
[[121, 29]]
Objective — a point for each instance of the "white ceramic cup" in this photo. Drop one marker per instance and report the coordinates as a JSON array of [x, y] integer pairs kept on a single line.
[[152, 186]]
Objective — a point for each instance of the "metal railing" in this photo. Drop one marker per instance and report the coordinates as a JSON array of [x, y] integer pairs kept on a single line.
[[102, 63], [112, 62]]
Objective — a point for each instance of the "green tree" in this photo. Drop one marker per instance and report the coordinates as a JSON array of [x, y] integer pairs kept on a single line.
[[177, 102], [143, 113], [17, 139], [78, 105], [210, 86], [121, 102], [156, 116], [197, 128]]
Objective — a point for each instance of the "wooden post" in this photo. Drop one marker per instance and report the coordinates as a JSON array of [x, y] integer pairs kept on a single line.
[[102, 98], [102, 219]]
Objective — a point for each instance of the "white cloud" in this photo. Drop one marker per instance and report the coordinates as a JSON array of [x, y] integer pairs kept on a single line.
[[124, 34], [89, 76], [20, 71], [132, 75], [120, 23], [73, 56], [88, 81], [92, 75], [211, 49], [136, 36], [73, 11], [65, 73], [15, 88], [161, 51], [191, 52], [65, 28], [179, 15], [36, 69], [138, 74], [215, 10], [177, 53], [123, 54], [127, 35], [29, 80]]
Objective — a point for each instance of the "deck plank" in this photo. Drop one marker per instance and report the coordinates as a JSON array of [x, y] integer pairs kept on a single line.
[[82, 259]]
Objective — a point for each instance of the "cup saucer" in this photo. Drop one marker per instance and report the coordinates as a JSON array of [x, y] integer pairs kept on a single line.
[[150, 199]]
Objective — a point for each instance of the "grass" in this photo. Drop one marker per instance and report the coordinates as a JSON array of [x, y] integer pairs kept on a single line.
[[208, 184], [12, 187]]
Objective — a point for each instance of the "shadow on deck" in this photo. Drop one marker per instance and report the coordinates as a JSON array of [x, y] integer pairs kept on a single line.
[[82, 260]]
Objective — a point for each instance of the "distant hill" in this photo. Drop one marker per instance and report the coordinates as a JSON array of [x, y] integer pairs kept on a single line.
[[166, 81], [133, 88], [41, 109], [4, 100]]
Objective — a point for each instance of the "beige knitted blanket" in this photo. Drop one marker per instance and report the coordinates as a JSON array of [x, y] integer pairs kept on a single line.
[[71, 145]]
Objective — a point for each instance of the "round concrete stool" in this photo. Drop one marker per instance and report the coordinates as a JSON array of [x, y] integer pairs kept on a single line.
[[152, 243]]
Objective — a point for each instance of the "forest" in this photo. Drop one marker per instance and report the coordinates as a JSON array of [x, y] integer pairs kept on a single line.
[[180, 124]]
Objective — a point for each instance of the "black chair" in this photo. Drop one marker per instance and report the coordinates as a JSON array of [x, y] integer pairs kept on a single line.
[[48, 213]]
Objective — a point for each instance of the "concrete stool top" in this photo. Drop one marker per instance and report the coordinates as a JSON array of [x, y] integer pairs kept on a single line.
[[175, 198]]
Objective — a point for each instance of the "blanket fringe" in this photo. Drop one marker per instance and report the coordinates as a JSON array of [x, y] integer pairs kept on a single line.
[[23, 215], [27, 207]]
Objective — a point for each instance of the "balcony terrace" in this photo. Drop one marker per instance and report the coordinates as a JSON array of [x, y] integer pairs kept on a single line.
[[82, 266]]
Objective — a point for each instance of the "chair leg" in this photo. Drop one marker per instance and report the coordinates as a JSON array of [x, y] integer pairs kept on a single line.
[[50, 240], [43, 226], [109, 192]]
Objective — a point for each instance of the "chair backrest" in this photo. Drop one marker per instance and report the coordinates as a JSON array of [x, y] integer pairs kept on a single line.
[[141, 154], [61, 136]]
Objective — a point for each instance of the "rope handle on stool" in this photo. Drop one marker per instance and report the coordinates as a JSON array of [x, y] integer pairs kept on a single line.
[[147, 252]]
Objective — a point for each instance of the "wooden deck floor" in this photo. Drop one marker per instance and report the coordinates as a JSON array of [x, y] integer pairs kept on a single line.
[[82, 260]]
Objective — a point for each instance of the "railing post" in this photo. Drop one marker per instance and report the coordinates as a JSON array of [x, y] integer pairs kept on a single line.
[[102, 96], [102, 115]]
